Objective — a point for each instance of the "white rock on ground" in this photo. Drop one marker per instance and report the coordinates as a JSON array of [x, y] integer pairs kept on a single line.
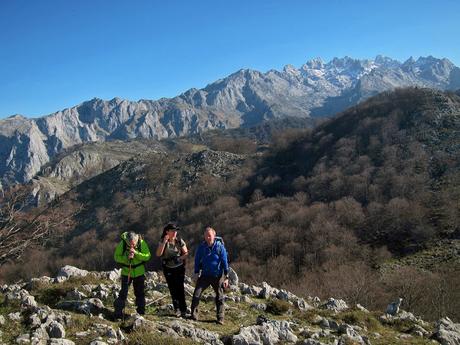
[[28, 302], [360, 307], [335, 305], [71, 271], [61, 342], [301, 304], [448, 332], [40, 335], [82, 334], [270, 332], [350, 333], [311, 342], [23, 339], [259, 306], [114, 275], [16, 293], [268, 291], [140, 322], [14, 316], [41, 280], [196, 334]]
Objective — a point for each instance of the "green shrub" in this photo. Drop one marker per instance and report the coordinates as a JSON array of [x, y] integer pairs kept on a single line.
[[277, 306], [361, 318]]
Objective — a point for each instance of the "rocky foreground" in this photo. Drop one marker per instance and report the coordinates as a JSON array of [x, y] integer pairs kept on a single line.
[[76, 308]]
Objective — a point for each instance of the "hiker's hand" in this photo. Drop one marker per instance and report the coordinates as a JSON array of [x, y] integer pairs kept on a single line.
[[165, 239], [195, 277], [226, 284], [131, 253]]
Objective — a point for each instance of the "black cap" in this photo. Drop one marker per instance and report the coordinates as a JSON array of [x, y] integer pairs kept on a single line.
[[171, 226]]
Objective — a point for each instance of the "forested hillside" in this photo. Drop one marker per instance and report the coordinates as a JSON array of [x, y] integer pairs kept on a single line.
[[319, 212]]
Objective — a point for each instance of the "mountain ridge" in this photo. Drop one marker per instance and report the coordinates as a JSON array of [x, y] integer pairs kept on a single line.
[[244, 98]]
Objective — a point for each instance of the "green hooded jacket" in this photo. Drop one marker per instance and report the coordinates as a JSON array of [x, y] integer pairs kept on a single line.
[[137, 263]]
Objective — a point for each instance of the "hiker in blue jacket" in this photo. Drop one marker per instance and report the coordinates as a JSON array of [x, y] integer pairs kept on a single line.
[[211, 268]]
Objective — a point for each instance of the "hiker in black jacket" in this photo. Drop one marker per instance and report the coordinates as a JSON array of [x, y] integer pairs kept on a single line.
[[173, 251]]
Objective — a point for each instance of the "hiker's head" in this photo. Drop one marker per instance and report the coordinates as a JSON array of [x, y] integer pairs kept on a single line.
[[209, 235], [132, 238], [170, 229]]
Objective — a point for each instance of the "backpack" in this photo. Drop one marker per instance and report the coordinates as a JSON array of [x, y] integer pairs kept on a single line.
[[219, 249], [221, 240], [177, 243]]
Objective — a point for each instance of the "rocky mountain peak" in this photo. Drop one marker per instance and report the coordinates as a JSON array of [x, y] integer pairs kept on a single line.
[[426, 60], [16, 116], [14, 125], [316, 63], [13, 118], [385, 60], [290, 69], [409, 61], [434, 71], [116, 100]]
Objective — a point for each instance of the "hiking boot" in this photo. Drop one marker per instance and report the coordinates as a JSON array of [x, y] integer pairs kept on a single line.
[[220, 321], [117, 315], [178, 313], [194, 315]]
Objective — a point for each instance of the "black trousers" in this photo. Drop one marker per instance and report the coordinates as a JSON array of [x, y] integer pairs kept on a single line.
[[175, 279], [138, 284], [202, 284]]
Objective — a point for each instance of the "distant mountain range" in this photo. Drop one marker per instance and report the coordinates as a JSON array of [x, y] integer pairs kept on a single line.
[[244, 98]]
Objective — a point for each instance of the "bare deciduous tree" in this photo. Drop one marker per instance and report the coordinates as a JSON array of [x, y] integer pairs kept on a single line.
[[19, 229]]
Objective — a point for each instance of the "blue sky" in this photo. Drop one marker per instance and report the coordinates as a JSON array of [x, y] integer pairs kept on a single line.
[[56, 54]]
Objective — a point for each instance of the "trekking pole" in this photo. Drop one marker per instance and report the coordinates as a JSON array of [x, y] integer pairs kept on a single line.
[[130, 260], [156, 300]]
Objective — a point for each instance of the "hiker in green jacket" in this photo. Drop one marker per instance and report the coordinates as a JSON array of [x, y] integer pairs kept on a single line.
[[132, 252]]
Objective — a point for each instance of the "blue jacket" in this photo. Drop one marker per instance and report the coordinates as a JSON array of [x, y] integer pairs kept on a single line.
[[212, 261]]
